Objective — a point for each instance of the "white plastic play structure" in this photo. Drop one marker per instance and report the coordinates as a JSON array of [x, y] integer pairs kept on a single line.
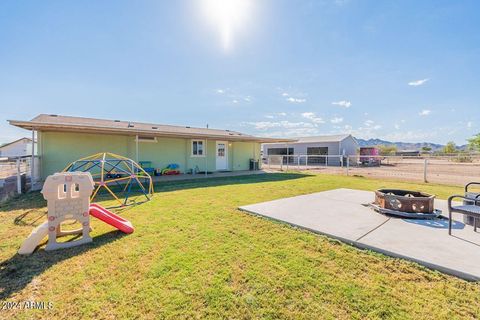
[[68, 198]]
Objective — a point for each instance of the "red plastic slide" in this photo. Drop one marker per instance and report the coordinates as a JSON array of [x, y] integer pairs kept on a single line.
[[110, 218]]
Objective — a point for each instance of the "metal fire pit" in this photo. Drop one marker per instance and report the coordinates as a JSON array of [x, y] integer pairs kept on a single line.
[[405, 203]]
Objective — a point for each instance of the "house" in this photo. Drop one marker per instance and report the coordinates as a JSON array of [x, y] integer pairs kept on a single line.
[[63, 139], [335, 146], [18, 148]]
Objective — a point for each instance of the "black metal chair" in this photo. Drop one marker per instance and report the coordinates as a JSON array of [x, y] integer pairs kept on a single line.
[[470, 206], [469, 194]]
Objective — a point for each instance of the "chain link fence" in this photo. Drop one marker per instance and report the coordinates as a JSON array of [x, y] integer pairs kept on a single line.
[[450, 169]]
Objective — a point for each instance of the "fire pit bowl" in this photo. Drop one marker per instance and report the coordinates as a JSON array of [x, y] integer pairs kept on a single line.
[[405, 203]]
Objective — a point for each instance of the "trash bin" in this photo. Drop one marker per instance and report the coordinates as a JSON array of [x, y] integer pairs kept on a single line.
[[253, 164]]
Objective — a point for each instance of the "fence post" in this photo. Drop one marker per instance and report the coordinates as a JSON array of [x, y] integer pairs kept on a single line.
[[348, 164], [281, 163], [288, 160], [268, 161], [425, 165], [19, 177]]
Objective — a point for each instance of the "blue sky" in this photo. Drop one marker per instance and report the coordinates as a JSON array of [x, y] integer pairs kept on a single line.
[[397, 70]]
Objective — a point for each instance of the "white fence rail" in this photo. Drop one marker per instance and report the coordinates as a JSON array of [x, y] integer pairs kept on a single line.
[[452, 169], [16, 175]]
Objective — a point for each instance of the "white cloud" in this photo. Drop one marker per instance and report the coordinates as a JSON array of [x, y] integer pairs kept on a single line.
[[336, 120], [396, 126], [295, 97], [312, 117], [368, 130], [410, 136], [265, 125], [417, 83], [369, 123], [424, 112], [369, 127], [342, 103], [469, 124], [293, 132], [233, 97], [275, 115], [296, 100]]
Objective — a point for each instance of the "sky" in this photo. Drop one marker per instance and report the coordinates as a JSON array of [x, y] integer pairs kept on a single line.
[[396, 70]]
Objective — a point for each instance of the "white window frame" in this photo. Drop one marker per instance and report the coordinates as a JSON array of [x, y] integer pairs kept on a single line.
[[203, 148]]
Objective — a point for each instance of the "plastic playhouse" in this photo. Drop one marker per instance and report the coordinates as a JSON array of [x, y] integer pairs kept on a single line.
[[68, 198], [120, 177]]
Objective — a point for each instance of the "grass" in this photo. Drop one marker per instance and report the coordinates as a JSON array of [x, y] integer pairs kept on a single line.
[[194, 255]]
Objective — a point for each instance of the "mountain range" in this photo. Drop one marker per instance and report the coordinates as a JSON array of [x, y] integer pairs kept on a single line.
[[403, 145]]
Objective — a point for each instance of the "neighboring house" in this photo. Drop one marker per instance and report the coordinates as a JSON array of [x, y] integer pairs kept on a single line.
[[317, 147], [18, 148], [63, 139]]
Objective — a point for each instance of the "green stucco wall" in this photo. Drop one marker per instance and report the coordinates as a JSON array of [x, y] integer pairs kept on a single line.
[[242, 152], [58, 149]]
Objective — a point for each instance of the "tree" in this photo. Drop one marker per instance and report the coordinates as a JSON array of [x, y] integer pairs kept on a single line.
[[426, 149], [450, 147], [474, 142], [387, 150]]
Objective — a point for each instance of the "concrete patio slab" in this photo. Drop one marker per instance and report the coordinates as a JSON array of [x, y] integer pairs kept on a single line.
[[310, 212], [342, 214]]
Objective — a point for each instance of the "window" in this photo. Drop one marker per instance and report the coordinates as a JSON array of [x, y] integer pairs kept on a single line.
[[197, 148], [317, 155], [317, 151], [279, 151], [221, 150]]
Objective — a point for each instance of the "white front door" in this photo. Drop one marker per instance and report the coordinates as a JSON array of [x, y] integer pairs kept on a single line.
[[221, 155]]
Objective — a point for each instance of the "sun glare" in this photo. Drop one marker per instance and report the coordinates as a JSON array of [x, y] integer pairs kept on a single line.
[[228, 17]]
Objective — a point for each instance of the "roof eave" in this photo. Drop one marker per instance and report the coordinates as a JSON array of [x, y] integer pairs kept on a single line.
[[31, 125]]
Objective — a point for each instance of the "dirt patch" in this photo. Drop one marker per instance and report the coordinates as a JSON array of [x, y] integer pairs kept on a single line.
[[438, 171]]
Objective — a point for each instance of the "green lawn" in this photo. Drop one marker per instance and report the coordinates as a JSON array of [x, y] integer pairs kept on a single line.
[[194, 255]]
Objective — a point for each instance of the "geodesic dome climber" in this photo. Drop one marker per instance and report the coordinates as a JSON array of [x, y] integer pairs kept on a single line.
[[121, 177]]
